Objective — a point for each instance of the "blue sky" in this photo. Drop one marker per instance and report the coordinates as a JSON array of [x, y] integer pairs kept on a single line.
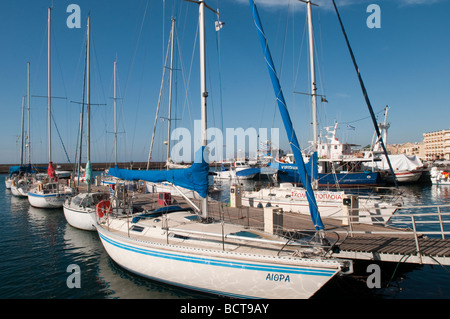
[[404, 64]]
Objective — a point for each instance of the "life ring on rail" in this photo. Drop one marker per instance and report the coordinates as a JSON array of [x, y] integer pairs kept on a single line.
[[103, 207]]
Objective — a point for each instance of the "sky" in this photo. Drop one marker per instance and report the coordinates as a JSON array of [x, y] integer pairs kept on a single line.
[[404, 64]]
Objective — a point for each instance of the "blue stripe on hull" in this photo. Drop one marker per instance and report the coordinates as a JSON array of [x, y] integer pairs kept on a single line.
[[221, 263]]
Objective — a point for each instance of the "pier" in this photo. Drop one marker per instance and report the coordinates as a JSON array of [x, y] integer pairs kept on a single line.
[[356, 241]]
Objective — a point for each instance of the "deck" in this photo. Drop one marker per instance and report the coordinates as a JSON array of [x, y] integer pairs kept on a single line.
[[356, 241]]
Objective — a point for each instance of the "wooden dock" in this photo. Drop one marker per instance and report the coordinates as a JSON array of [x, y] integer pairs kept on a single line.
[[360, 242]]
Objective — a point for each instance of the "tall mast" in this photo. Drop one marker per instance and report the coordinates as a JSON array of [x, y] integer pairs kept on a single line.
[[49, 92], [203, 92], [313, 84], [115, 115], [28, 106], [169, 119], [88, 93], [22, 132]]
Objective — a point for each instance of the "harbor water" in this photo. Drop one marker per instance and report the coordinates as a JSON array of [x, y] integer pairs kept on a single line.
[[39, 251]]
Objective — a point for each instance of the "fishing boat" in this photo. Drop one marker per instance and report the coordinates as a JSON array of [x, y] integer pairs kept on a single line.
[[337, 166], [215, 257], [51, 192]]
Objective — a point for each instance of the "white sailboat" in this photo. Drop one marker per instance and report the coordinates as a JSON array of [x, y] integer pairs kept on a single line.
[[23, 182], [192, 251], [80, 209], [49, 193]]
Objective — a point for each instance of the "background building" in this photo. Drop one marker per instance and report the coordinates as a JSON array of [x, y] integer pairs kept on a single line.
[[437, 145]]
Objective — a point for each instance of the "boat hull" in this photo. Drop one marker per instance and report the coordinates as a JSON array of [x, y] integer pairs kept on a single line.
[[39, 200], [19, 191], [330, 204], [80, 218], [341, 179], [217, 272]]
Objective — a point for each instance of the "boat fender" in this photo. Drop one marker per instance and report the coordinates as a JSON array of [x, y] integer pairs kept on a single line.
[[103, 207], [40, 187]]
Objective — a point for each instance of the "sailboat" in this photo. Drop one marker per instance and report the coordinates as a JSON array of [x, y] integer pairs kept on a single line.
[[78, 209], [330, 203], [192, 250], [23, 182], [49, 193]]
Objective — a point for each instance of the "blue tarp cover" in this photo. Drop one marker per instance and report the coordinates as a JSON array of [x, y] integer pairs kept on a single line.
[[194, 178]]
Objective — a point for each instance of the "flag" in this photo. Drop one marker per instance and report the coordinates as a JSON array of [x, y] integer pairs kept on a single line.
[[219, 25], [350, 127], [51, 171]]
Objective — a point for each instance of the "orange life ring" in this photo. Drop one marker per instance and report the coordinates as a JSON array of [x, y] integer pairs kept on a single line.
[[103, 207]]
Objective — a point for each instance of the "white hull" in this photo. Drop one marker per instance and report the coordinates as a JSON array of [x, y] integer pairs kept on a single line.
[[407, 176], [42, 198], [330, 204], [439, 177], [80, 210], [80, 218], [235, 271], [231, 174], [8, 183], [46, 201], [19, 191], [436, 181]]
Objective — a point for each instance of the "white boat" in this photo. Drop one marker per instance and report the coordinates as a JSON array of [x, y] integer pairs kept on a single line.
[[49, 195], [81, 209], [240, 169], [407, 168], [190, 250], [331, 204], [439, 177], [21, 186], [177, 250]]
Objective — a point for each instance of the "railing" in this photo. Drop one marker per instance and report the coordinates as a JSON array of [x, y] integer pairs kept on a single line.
[[406, 223]]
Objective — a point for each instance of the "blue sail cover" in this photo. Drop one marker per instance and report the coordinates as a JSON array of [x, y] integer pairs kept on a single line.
[[194, 178], [23, 168], [315, 216]]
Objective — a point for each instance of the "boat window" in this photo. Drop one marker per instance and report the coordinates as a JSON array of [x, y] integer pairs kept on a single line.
[[86, 202], [76, 200], [138, 229]]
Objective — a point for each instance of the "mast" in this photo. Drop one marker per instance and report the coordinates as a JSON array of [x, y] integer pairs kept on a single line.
[[203, 92], [28, 106], [366, 96], [169, 119], [115, 115], [88, 93], [22, 131], [292, 137], [49, 90], [313, 85]]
